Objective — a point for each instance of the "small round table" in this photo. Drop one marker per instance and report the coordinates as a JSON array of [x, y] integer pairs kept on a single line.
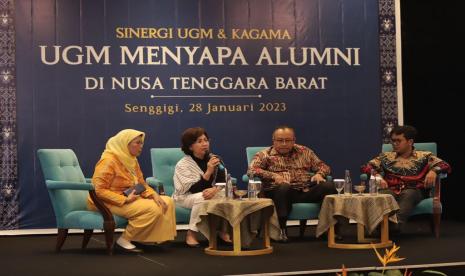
[[367, 210], [236, 212]]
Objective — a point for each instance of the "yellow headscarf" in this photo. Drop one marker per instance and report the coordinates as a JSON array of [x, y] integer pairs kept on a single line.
[[118, 146]]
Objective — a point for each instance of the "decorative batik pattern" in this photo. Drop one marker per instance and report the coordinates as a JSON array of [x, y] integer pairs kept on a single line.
[[9, 194], [388, 69]]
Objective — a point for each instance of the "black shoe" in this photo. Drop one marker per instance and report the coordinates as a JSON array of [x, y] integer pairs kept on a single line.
[[133, 250], [193, 245]]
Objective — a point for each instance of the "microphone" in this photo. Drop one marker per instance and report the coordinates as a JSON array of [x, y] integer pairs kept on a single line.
[[221, 164]]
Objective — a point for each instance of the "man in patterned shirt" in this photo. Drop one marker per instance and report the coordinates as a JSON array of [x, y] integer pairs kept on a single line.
[[286, 170], [407, 174]]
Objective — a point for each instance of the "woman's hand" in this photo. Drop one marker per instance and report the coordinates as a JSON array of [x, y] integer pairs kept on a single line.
[[131, 197], [160, 202], [211, 165], [209, 193]]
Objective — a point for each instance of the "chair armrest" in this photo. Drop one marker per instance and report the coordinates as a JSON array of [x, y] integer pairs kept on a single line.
[[108, 219], [66, 185], [153, 182]]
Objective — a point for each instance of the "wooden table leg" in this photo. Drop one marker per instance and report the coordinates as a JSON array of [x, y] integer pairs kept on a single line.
[[384, 242], [237, 250], [360, 232], [331, 238], [237, 238], [266, 233], [385, 230]]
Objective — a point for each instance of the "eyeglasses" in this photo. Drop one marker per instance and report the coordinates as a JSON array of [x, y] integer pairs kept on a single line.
[[396, 141], [284, 141]]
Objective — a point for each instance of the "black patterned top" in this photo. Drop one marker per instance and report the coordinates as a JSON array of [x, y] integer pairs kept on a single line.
[[400, 173]]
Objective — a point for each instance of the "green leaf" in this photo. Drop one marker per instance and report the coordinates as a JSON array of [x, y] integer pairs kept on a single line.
[[393, 272]]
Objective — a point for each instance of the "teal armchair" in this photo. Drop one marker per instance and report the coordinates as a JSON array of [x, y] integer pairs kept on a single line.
[[300, 211], [68, 191], [164, 161], [432, 205]]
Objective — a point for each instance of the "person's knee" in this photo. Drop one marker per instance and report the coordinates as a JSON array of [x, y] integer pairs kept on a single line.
[[169, 201], [152, 209], [327, 187], [283, 188]]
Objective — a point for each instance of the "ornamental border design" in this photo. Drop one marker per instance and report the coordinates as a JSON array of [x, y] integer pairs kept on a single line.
[[9, 192], [387, 68]]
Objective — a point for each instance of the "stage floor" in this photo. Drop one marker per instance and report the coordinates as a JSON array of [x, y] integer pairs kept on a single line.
[[34, 255]]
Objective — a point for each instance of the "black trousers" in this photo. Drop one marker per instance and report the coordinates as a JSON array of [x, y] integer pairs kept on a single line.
[[284, 196]]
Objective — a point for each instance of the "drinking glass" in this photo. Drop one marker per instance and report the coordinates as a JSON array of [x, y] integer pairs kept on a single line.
[[360, 188], [240, 193], [339, 185]]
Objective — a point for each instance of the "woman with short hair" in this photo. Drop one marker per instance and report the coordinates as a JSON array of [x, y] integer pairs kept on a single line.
[[194, 178]]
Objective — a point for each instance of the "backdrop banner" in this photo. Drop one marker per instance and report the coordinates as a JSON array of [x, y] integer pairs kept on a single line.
[[87, 69]]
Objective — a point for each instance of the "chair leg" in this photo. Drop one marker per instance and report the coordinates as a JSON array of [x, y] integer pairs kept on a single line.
[[109, 229], [436, 222], [303, 223], [87, 235], [61, 237]]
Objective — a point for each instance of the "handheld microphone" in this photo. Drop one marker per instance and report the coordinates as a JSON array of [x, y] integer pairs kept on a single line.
[[221, 164]]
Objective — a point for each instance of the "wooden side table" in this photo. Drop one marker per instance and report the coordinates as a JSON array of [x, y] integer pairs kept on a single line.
[[367, 210], [235, 212]]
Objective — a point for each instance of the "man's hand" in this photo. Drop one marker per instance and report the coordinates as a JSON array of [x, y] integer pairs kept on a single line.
[[209, 193], [318, 178], [383, 184], [430, 179], [278, 179]]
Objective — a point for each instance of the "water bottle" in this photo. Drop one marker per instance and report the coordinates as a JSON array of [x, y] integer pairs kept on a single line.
[[372, 183], [228, 187], [234, 187], [252, 189], [348, 183]]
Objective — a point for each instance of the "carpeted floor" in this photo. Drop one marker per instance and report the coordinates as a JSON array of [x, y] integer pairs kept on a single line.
[[34, 255]]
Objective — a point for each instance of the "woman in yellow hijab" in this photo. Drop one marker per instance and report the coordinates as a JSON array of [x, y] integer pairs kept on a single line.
[[151, 217]]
